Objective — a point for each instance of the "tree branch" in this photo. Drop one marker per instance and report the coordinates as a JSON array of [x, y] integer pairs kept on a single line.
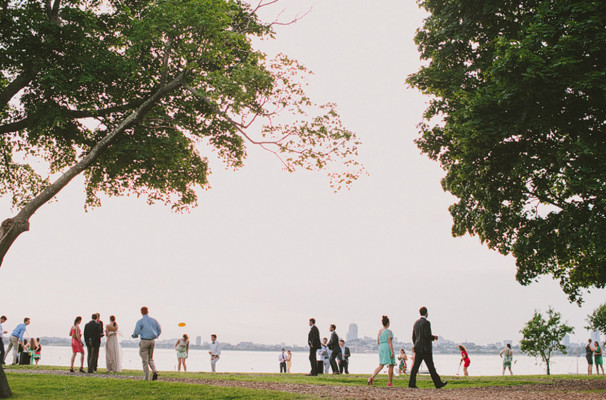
[[13, 227], [77, 114], [14, 87]]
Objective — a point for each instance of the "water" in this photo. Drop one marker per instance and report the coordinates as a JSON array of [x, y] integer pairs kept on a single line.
[[261, 361]]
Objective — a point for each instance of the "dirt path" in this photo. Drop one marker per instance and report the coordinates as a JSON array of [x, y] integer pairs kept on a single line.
[[569, 389]]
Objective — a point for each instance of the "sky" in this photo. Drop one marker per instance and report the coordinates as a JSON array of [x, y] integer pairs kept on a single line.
[[265, 250]]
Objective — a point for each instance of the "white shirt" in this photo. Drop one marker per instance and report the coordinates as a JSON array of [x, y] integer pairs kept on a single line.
[[282, 357], [215, 348], [1, 332]]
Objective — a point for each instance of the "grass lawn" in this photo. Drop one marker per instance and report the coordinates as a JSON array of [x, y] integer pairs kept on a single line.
[[39, 386], [423, 381]]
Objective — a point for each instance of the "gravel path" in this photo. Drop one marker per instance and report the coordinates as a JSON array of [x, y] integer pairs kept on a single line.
[[573, 389]]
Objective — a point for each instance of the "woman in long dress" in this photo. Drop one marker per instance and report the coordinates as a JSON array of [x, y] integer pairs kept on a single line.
[[77, 345], [113, 356], [288, 362], [182, 347], [386, 354]]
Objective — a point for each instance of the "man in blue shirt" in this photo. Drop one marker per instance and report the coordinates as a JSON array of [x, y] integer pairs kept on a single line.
[[149, 329], [16, 339]]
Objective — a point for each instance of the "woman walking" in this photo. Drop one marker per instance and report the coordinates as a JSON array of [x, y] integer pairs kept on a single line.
[[597, 356], [288, 362], [402, 357], [507, 355], [386, 354], [182, 347], [77, 345], [464, 359], [113, 354]]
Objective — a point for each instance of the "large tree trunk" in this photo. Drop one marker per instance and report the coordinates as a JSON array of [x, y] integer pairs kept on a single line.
[[11, 228], [5, 390]]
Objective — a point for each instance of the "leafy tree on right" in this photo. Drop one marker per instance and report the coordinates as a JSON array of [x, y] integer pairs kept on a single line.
[[597, 320], [517, 119], [543, 335]]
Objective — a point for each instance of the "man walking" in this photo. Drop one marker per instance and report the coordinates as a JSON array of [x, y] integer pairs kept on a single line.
[[149, 329], [335, 351], [422, 340], [92, 338], [344, 357], [16, 339], [215, 352], [313, 340], [2, 332], [325, 355], [282, 360]]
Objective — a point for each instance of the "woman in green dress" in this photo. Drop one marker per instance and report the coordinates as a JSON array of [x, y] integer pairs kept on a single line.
[[386, 354], [597, 355]]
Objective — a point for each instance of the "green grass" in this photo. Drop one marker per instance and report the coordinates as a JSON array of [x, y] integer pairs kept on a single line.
[[117, 388], [42, 386]]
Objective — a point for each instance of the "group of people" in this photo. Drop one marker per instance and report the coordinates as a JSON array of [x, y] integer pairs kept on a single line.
[[593, 353], [25, 351], [333, 353], [93, 332], [422, 339], [285, 360], [182, 348]]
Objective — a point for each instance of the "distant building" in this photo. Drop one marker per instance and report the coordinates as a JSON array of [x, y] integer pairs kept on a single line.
[[595, 336], [566, 341], [353, 332], [198, 340], [508, 341]]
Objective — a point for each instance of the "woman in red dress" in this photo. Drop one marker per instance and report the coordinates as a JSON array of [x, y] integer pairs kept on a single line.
[[464, 359], [77, 345]]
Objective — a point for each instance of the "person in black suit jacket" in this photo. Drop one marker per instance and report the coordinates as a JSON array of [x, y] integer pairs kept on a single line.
[[92, 338], [344, 357], [333, 345], [422, 340], [313, 339]]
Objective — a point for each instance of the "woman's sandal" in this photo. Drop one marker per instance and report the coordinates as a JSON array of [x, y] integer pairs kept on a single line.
[[370, 381]]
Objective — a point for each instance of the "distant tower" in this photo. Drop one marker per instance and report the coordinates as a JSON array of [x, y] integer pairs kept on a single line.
[[595, 336], [566, 341], [353, 332], [198, 340]]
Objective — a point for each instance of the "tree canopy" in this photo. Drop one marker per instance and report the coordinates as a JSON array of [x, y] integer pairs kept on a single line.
[[542, 336], [597, 319], [130, 92], [517, 120]]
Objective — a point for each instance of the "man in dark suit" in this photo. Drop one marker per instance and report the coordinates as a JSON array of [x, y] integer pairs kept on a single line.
[[313, 339], [92, 338], [333, 345], [344, 357], [102, 334], [422, 340]]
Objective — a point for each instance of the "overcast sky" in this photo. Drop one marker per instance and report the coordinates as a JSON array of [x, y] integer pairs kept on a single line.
[[265, 250]]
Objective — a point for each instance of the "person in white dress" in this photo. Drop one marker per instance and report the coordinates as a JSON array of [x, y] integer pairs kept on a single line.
[[113, 353]]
